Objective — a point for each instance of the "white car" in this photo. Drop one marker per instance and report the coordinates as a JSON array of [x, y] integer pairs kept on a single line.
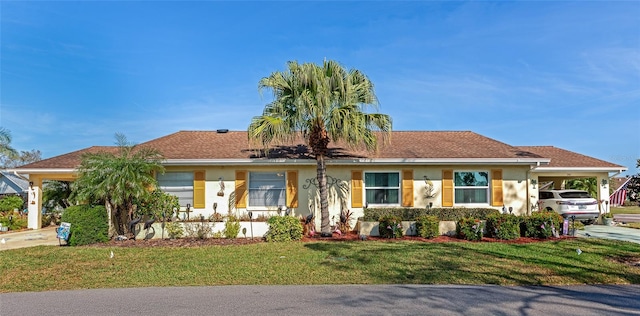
[[569, 203]]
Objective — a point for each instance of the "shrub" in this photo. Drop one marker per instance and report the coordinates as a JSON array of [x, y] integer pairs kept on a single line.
[[200, 231], [16, 223], [231, 227], [89, 224], [469, 228], [503, 226], [542, 224], [390, 226], [174, 230], [283, 228], [427, 226], [10, 203]]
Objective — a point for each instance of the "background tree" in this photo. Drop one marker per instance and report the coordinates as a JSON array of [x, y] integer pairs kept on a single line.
[[117, 180], [20, 159], [5, 144], [320, 103]]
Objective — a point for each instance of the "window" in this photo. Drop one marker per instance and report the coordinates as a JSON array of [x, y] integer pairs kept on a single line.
[[471, 187], [267, 189], [382, 187], [179, 184]]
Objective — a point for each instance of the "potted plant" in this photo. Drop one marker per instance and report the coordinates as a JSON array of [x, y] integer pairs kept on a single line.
[[607, 219]]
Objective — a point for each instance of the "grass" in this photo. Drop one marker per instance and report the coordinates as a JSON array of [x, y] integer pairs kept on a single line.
[[403, 262], [626, 210]]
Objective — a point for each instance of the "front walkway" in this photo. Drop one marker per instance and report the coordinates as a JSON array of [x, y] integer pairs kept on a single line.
[[29, 238], [610, 232]]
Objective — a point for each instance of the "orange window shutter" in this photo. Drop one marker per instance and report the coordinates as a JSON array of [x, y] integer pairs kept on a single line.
[[356, 188], [407, 188], [198, 189], [292, 188], [241, 189], [496, 188], [447, 187]]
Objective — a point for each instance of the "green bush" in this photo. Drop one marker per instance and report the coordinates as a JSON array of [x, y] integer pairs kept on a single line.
[[428, 226], [231, 227], [470, 228], [503, 226], [443, 214], [542, 224], [89, 224], [16, 223], [284, 228], [390, 226], [10, 203], [174, 230]]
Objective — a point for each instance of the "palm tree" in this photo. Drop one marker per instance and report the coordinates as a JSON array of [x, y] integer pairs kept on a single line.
[[321, 103], [5, 143], [585, 184], [117, 180]]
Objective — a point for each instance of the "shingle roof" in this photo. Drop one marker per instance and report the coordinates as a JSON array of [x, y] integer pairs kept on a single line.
[[561, 158], [235, 145]]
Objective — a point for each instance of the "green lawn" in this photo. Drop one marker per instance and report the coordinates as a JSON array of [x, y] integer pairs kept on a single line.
[[403, 262], [626, 210]]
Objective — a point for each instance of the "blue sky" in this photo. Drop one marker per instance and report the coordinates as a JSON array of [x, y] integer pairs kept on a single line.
[[556, 73]]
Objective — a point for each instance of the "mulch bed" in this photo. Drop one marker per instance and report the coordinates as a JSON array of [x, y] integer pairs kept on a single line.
[[195, 242]]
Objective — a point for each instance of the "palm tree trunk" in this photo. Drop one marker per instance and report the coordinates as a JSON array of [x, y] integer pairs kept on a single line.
[[325, 226]]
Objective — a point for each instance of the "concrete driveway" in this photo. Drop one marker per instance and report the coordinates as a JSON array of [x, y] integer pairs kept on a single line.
[[610, 232], [29, 238]]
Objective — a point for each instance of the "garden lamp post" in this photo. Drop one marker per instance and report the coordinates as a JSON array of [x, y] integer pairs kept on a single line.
[[251, 223]]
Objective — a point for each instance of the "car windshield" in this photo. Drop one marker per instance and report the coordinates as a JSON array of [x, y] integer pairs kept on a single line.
[[575, 195]]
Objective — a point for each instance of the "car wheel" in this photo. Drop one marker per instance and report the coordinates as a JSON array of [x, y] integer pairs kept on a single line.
[[588, 222]]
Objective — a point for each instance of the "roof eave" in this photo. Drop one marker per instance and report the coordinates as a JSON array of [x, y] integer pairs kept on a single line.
[[373, 161], [579, 169]]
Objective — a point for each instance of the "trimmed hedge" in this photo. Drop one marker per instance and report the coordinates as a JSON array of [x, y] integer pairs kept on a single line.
[[390, 226], [503, 226], [284, 228], [428, 226], [542, 224], [470, 228], [443, 214], [89, 224]]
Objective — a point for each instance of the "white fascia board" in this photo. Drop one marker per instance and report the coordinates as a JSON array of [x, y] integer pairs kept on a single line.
[[41, 171], [360, 161], [576, 169]]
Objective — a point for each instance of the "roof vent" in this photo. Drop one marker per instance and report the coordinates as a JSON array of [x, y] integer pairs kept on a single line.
[[222, 131]]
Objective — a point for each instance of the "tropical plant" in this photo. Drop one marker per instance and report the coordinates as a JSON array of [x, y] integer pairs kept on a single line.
[[320, 103], [56, 193], [174, 230], [585, 184], [157, 204], [117, 180]]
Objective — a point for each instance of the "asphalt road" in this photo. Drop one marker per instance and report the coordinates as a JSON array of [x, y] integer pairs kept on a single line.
[[330, 300]]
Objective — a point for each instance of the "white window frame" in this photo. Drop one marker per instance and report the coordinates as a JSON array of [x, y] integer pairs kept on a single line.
[[487, 188], [365, 188], [282, 199], [183, 192]]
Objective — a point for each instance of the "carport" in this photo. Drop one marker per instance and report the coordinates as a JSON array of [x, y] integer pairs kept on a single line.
[[567, 165]]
